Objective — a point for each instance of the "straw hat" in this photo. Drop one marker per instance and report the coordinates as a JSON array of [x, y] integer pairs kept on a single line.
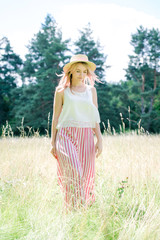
[[79, 58]]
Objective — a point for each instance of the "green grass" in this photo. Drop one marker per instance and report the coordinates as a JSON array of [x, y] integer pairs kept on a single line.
[[127, 192]]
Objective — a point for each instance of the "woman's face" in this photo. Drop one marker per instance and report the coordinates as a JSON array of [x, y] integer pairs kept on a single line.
[[80, 73]]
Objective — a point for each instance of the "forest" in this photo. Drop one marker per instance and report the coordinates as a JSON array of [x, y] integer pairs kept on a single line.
[[27, 86]]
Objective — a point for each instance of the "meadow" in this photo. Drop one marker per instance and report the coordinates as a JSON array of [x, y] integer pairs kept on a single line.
[[127, 205]]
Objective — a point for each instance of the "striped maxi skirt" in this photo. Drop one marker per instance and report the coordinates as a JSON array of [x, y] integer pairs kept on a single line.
[[76, 166]]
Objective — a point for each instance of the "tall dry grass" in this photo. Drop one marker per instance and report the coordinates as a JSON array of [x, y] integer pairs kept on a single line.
[[127, 203]]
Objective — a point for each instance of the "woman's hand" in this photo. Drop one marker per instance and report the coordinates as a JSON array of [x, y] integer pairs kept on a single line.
[[53, 150], [98, 148]]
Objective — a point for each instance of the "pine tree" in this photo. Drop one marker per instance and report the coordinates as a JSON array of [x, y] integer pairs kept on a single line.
[[10, 64], [144, 73], [47, 54], [86, 45]]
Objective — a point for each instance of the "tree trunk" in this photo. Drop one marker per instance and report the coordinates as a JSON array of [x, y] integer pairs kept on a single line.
[[155, 79], [142, 99]]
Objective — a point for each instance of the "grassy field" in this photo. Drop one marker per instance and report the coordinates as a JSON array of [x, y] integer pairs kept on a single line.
[[127, 203]]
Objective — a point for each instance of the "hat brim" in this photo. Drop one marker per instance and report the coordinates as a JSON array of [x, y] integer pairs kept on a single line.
[[91, 65]]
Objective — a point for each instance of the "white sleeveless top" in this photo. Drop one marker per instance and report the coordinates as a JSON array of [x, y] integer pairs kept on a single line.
[[78, 110]]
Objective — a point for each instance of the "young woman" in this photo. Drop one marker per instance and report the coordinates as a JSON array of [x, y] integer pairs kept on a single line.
[[75, 121]]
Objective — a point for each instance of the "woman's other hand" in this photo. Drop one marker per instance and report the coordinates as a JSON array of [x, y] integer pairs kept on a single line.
[[98, 148], [53, 150]]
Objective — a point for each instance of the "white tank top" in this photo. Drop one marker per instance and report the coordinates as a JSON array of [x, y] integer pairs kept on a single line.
[[78, 110]]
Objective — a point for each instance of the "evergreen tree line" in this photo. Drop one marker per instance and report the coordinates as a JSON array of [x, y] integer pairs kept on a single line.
[[134, 101]]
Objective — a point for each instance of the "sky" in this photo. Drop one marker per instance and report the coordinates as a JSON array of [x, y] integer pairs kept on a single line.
[[112, 23]]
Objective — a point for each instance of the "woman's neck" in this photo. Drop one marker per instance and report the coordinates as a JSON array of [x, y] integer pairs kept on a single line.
[[78, 87], [77, 84]]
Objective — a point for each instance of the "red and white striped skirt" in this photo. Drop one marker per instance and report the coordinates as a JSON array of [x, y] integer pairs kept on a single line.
[[76, 165]]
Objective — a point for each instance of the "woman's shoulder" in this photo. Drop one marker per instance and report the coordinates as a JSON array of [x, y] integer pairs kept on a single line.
[[92, 88], [61, 90]]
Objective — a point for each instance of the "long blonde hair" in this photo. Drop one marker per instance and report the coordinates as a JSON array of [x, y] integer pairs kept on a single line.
[[66, 78]]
